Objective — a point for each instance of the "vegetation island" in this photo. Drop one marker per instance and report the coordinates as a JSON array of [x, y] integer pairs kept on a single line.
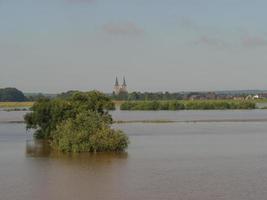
[[79, 123]]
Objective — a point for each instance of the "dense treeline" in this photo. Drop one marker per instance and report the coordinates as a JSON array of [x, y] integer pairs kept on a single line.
[[80, 123], [188, 105], [12, 95], [166, 96], [163, 96], [35, 97], [66, 95], [142, 96]]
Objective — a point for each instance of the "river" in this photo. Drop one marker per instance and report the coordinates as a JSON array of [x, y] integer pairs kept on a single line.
[[193, 160]]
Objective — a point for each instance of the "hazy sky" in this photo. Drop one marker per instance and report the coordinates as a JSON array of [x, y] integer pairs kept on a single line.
[[176, 45]]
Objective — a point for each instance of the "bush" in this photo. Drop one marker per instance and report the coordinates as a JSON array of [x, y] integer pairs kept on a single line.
[[73, 123], [175, 105], [88, 132], [109, 140], [46, 115]]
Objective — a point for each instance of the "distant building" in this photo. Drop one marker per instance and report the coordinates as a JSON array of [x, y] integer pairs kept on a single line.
[[211, 95], [201, 95], [264, 95], [250, 97], [256, 96], [120, 89]]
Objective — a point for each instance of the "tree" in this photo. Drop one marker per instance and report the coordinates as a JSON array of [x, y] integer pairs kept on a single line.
[[12, 94], [73, 124]]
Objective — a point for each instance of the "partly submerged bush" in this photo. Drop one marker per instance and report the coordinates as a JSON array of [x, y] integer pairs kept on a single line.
[[46, 115], [88, 132], [109, 140], [73, 124]]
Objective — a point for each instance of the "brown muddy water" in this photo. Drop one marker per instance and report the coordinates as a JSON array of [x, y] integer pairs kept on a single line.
[[187, 161]]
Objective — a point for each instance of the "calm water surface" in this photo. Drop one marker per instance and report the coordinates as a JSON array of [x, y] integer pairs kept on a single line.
[[187, 161], [185, 115]]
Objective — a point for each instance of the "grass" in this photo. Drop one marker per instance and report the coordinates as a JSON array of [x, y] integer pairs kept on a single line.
[[15, 104], [260, 100], [118, 102]]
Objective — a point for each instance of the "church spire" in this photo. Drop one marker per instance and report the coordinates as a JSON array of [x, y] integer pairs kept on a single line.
[[116, 82], [124, 82], [120, 89]]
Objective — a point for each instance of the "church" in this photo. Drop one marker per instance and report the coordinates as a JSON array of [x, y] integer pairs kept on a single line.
[[120, 89]]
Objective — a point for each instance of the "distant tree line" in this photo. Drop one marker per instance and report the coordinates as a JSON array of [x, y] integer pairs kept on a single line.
[[161, 96], [135, 96], [15, 95], [12, 95], [36, 97], [142, 96], [66, 95], [188, 105]]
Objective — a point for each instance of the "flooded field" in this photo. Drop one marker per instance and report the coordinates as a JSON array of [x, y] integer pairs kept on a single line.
[[177, 116], [222, 160]]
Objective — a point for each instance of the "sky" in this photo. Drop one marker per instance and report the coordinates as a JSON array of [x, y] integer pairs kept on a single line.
[[53, 46]]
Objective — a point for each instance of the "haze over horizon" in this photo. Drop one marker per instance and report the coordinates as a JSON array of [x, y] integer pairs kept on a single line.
[[172, 45]]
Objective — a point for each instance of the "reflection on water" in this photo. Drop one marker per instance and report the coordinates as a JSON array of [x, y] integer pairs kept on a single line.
[[13, 116], [42, 149], [37, 148]]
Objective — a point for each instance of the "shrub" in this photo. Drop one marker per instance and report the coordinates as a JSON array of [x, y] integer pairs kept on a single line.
[[175, 105], [46, 114], [71, 124], [164, 106], [88, 132], [109, 140]]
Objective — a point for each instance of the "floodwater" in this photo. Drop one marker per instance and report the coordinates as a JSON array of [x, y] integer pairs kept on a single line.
[[192, 115], [179, 116], [187, 161]]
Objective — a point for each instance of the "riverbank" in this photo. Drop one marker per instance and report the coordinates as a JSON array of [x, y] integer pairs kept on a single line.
[[163, 121], [16, 104]]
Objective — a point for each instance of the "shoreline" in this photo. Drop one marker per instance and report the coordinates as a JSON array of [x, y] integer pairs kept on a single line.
[[163, 121]]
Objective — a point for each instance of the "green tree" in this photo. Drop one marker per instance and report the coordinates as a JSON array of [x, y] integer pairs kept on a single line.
[[88, 132], [72, 124], [12, 95], [47, 113]]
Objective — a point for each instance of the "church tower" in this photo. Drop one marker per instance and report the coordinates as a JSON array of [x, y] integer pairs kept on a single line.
[[124, 86], [120, 89], [116, 89]]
